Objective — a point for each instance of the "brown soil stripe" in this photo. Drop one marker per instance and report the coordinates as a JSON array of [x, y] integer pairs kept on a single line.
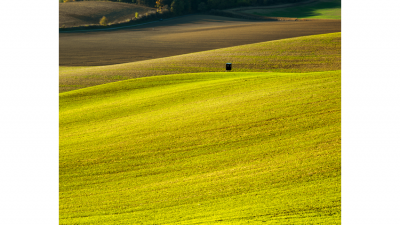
[[178, 36]]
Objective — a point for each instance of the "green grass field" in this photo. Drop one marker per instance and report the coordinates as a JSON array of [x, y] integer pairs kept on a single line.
[[324, 9], [301, 54], [203, 148]]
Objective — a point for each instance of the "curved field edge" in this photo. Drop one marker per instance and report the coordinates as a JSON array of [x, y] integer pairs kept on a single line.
[[220, 148], [302, 54]]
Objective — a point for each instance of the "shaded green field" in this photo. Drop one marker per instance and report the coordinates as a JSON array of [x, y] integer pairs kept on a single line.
[[301, 54], [209, 148], [324, 9]]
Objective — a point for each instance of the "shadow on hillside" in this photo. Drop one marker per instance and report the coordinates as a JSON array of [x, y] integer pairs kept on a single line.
[[192, 20], [302, 11], [188, 21]]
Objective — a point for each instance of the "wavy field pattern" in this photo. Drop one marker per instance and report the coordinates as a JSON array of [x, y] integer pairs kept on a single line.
[[302, 54], [220, 148]]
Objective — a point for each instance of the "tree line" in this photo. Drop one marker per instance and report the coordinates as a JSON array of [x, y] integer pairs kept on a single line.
[[189, 6]]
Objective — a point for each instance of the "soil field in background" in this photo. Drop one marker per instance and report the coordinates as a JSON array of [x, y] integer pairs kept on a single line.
[[178, 36], [72, 14]]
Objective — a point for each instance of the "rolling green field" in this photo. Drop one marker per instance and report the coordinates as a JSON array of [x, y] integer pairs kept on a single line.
[[203, 148], [324, 9], [301, 54], [174, 141]]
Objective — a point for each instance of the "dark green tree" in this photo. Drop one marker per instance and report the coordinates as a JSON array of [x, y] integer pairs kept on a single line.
[[178, 7], [202, 7], [188, 6]]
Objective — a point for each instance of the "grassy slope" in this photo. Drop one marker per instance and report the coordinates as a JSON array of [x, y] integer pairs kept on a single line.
[[324, 9], [301, 54], [223, 148]]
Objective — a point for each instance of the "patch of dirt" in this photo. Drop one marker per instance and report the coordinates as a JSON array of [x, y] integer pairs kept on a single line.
[[73, 14]]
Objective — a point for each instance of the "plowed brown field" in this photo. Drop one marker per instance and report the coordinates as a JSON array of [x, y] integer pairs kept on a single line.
[[72, 14], [178, 36]]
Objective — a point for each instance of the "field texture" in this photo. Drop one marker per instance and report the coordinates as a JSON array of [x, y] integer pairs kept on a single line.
[[301, 54], [73, 14], [178, 36], [209, 148], [322, 9]]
